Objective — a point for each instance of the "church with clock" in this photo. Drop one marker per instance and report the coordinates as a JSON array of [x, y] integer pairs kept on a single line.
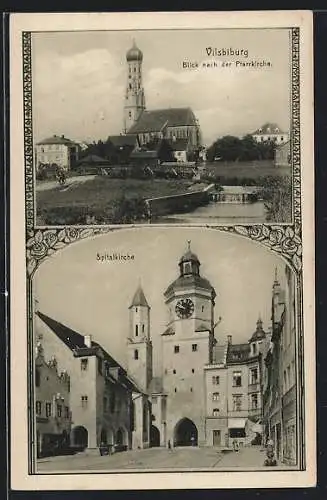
[[188, 399]]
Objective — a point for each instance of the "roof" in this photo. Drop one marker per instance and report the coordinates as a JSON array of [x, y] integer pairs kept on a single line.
[[190, 280], [259, 332], [155, 386], [75, 342], [188, 255], [169, 331], [237, 353], [123, 140], [179, 144], [219, 354], [92, 159], [134, 53], [154, 121], [143, 154], [268, 128], [139, 298], [56, 139]]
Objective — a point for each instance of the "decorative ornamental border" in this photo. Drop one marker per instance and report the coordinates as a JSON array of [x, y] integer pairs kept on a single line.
[[284, 239]]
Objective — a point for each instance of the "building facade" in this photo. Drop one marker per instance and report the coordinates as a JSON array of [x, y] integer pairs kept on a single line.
[[56, 150], [52, 405], [270, 132], [280, 386], [102, 395]]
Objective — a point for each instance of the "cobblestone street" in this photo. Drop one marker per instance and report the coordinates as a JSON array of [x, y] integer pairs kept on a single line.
[[158, 458]]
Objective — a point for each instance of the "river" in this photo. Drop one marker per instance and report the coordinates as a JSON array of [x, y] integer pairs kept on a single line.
[[219, 213]]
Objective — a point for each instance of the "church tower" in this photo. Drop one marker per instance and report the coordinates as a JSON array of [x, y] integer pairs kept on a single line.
[[134, 97], [187, 346], [139, 345]]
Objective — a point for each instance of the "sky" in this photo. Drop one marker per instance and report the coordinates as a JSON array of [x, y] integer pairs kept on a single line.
[[91, 297], [79, 80]]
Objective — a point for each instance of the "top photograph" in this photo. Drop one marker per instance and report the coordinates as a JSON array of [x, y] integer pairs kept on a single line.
[[183, 126]]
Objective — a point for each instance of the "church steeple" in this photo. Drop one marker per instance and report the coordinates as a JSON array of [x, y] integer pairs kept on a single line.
[[189, 263], [134, 96]]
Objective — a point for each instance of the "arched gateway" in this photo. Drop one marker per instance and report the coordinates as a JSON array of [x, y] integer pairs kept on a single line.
[[185, 433], [154, 436]]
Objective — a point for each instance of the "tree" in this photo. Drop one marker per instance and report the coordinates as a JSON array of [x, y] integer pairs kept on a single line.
[[277, 196]]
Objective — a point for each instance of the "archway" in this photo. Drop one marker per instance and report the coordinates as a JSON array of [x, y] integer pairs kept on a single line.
[[103, 436], [80, 437], [154, 436], [186, 433], [120, 437]]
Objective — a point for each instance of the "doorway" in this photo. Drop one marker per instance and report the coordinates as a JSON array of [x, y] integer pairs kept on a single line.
[[217, 438], [186, 433]]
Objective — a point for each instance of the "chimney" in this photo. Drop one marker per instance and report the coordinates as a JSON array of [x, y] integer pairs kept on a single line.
[[229, 339], [62, 136], [88, 340]]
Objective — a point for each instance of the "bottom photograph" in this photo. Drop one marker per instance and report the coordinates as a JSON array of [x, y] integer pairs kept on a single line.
[[165, 349]]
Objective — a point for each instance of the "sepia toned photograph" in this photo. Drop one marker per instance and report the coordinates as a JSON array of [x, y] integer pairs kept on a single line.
[[162, 251], [165, 126], [193, 365]]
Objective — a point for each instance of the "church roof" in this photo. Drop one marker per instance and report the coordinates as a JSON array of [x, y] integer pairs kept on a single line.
[[123, 140], [190, 280], [76, 343], [139, 298], [155, 121]]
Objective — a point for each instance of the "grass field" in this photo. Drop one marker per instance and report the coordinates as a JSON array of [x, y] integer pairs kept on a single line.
[[247, 170]]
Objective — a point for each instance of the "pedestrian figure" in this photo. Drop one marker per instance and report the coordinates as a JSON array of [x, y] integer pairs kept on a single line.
[[169, 444], [270, 454], [234, 444], [192, 440]]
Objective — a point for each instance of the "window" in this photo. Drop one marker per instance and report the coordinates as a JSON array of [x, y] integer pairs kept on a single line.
[[237, 379], [37, 377], [174, 372], [254, 376], [142, 328], [289, 375], [136, 330], [215, 380], [254, 349], [202, 308], [48, 409], [84, 401], [136, 309], [192, 370], [194, 347], [176, 349], [100, 366], [215, 396], [136, 354], [59, 410], [84, 364], [191, 389], [254, 401], [237, 402], [175, 389], [215, 412], [66, 412], [187, 268], [38, 407], [285, 380]]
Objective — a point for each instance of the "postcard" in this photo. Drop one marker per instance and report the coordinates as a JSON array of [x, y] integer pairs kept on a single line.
[[162, 251]]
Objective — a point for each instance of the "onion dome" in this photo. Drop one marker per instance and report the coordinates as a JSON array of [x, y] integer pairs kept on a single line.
[[259, 333], [134, 54]]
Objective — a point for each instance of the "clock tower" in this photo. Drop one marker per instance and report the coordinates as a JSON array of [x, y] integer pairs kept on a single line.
[[187, 347]]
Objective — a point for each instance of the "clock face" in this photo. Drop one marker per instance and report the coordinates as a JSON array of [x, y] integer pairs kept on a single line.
[[184, 308]]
